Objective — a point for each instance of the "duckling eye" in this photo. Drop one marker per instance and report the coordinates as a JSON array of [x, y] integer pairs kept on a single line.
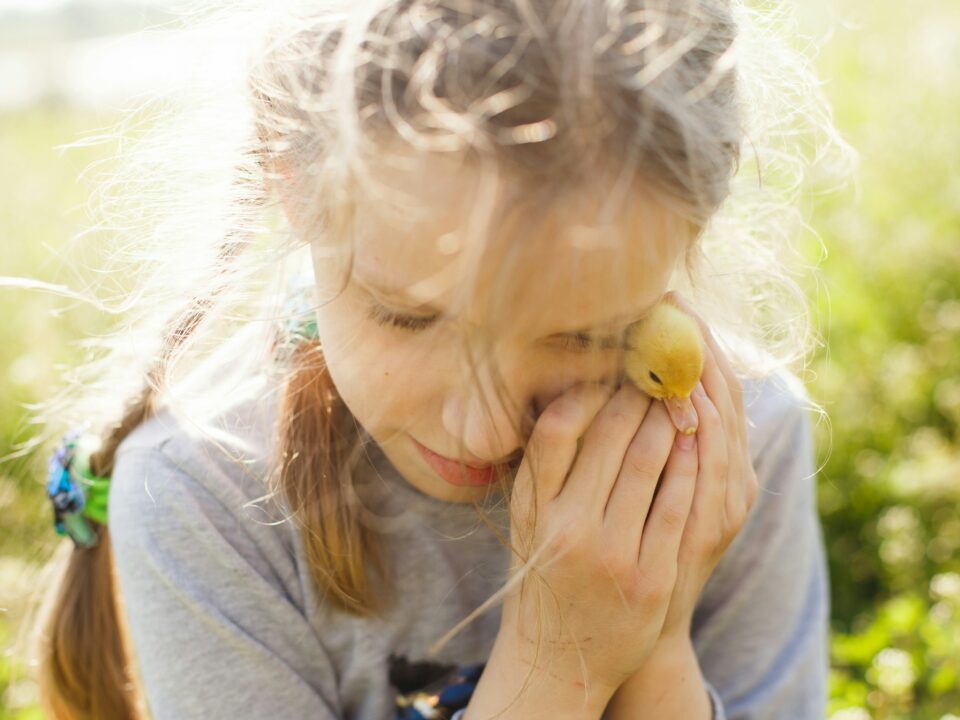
[[653, 376]]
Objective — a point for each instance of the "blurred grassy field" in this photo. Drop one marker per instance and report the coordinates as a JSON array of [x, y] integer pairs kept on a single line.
[[41, 205], [890, 374], [889, 302]]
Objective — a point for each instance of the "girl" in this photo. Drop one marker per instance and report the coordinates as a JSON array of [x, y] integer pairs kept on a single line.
[[423, 488]]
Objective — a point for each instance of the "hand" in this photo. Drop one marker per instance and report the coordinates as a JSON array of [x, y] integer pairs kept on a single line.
[[726, 484], [592, 605]]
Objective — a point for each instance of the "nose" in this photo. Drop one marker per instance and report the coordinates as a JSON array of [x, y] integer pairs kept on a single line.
[[492, 426]]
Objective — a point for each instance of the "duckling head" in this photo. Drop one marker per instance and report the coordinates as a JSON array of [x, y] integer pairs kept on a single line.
[[664, 358]]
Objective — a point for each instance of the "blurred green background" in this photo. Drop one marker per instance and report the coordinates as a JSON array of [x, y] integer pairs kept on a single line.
[[888, 300]]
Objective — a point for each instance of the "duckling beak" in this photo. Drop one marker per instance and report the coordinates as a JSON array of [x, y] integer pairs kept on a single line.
[[683, 414]]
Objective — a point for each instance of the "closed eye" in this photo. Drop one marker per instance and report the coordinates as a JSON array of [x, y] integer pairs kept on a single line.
[[584, 341], [578, 341], [383, 316]]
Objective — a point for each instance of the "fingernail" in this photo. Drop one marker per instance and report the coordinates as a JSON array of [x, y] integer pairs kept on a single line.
[[698, 389], [686, 442]]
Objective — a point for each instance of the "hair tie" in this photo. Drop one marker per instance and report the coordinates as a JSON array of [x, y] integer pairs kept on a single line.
[[77, 495]]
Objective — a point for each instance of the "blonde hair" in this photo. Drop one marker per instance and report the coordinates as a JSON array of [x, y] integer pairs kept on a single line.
[[707, 101]]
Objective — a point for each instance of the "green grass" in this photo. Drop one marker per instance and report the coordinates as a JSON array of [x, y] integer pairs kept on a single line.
[[889, 376], [889, 494]]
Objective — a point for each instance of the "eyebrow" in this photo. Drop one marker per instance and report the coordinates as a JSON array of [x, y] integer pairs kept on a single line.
[[398, 295]]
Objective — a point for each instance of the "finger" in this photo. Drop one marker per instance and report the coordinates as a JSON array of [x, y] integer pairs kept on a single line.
[[740, 480], [733, 422], [710, 500], [718, 377], [734, 386], [663, 529], [553, 444], [719, 393], [727, 450], [737, 502], [605, 444], [718, 463], [629, 501]]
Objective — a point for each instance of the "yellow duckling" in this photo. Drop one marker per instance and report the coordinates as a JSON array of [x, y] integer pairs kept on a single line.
[[664, 358]]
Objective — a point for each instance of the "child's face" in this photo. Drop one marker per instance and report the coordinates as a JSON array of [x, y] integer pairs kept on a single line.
[[409, 384]]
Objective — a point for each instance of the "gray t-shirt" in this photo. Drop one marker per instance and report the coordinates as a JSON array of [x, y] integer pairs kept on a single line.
[[226, 622]]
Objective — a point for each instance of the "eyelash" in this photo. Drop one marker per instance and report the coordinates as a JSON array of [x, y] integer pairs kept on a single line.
[[382, 316], [413, 323]]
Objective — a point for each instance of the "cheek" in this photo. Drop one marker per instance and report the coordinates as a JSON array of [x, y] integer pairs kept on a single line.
[[351, 359], [556, 375], [382, 375]]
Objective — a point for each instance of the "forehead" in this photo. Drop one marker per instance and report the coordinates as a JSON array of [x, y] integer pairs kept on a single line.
[[442, 231]]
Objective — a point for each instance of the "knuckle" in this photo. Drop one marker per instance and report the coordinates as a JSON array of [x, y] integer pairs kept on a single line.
[[673, 517], [561, 539], [722, 534], [616, 416], [736, 515], [723, 465], [555, 425], [619, 564], [711, 540], [611, 427], [654, 588], [722, 475], [637, 463]]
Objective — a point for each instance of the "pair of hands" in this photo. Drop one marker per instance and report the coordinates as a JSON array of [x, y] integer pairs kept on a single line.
[[615, 563]]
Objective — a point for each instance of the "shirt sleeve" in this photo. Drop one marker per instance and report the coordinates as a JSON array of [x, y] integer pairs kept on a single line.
[[210, 600], [761, 628]]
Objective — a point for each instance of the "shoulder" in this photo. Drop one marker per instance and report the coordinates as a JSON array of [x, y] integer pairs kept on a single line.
[[214, 428], [225, 454], [778, 412], [178, 477]]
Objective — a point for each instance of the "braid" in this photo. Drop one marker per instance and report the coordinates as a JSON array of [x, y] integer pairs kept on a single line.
[[86, 669]]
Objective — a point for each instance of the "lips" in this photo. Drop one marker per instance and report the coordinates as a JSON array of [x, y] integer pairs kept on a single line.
[[451, 470]]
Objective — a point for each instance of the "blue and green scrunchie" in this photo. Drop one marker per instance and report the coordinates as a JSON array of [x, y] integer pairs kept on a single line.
[[77, 495], [79, 498]]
